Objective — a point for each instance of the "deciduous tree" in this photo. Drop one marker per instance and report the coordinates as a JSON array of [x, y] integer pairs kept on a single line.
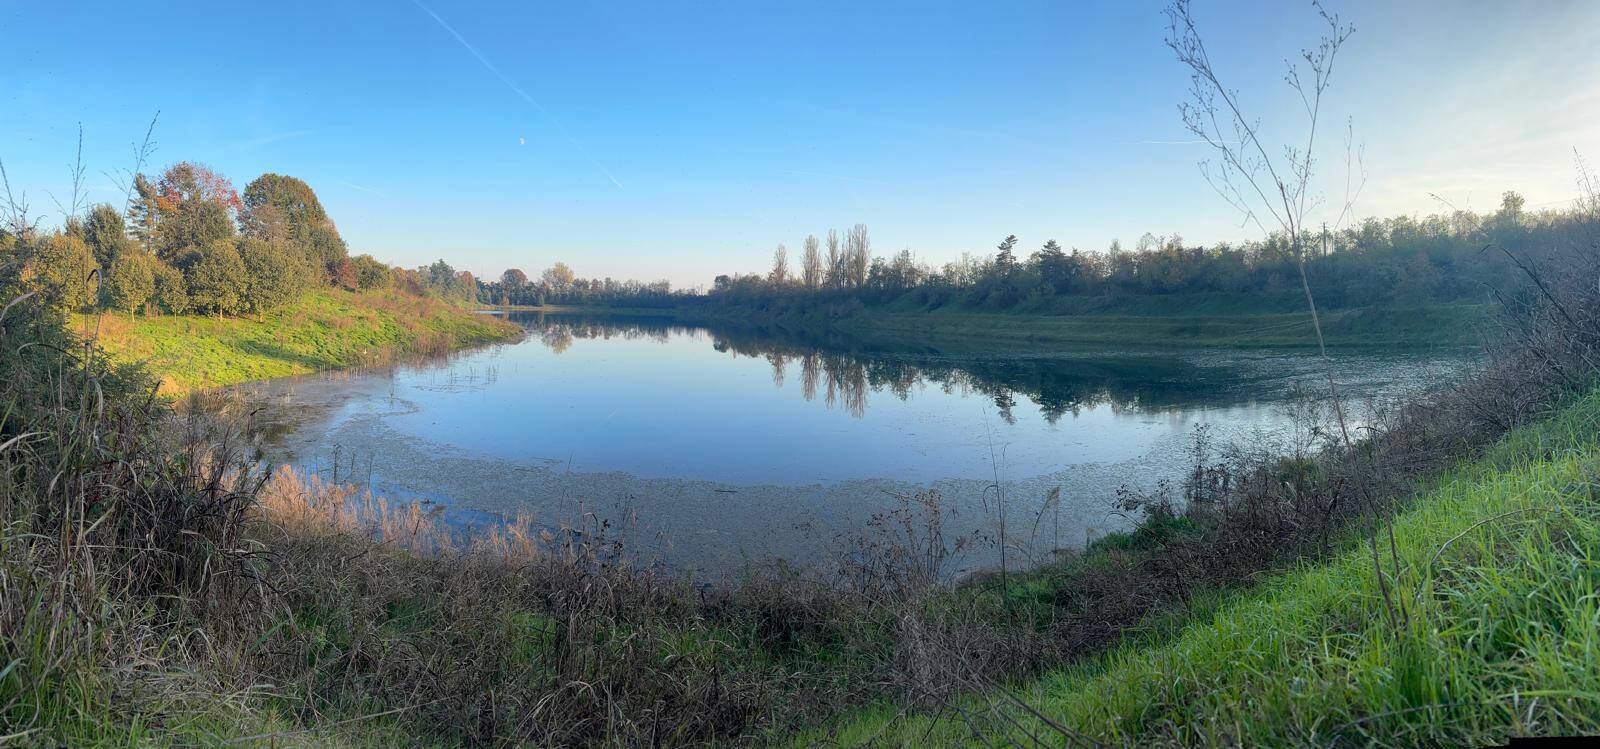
[[62, 265], [811, 264], [131, 281], [216, 278], [273, 275], [195, 207], [779, 277]]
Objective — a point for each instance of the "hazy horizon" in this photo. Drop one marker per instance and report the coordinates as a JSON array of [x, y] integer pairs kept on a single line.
[[637, 142]]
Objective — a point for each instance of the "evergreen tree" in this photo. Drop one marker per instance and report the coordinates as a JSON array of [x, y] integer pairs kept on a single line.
[[106, 233]]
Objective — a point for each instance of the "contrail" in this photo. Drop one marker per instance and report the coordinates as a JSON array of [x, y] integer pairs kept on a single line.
[[511, 84], [362, 188], [269, 139], [1194, 142]]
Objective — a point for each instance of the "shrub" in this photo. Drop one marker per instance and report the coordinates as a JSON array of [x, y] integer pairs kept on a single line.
[[62, 267]]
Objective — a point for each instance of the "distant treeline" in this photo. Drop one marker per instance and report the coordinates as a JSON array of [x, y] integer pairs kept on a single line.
[[559, 285], [1456, 256], [1401, 260], [187, 242]]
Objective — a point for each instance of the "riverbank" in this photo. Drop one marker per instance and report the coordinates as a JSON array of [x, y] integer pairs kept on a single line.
[[325, 329], [1486, 631]]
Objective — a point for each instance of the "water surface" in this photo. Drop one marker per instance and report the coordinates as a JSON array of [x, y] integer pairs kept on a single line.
[[728, 447]]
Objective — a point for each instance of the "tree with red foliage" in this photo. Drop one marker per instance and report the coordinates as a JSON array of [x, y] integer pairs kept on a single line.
[[194, 207], [344, 275]]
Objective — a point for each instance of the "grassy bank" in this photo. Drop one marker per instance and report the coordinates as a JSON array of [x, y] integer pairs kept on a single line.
[[1487, 631], [325, 329]]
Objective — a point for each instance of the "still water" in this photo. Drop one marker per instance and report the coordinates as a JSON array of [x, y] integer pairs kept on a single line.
[[733, 447]]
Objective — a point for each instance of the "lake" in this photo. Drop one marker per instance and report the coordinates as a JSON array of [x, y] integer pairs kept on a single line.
[[721, 448]]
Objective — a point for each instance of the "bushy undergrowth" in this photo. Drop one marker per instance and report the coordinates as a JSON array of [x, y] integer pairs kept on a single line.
[[1497, 575]]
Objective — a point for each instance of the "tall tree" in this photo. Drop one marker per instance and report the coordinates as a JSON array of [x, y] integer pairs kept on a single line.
[[513, 279], [144, 213], [1005, 260], [195, 207], [835, 272], [281, 208], [557, 278], [858, 250], [811, 264], [439, 276], [1054, 269], [106, 233], [779, 277]]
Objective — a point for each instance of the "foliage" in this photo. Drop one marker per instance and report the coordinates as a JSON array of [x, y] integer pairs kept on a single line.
[[272, 274], [132, 281], [192, 206], [370, 273], [107, 234], [215, 276], [171, 289], [281, 209], [63, 268]]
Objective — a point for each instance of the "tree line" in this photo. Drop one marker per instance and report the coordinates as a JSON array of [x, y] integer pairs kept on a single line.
[[558, 284], [187, 242], [1400, 260]]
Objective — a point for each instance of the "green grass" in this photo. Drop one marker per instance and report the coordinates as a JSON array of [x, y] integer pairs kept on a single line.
[[1441, 325], [1500, 564], [327, 329]]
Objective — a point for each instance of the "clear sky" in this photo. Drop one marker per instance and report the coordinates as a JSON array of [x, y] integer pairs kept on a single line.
[[680, 140]]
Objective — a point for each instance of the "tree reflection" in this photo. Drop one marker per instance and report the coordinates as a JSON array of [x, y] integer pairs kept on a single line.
[[844, 373]]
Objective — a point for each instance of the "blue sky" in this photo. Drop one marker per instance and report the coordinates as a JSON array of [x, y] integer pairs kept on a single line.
[[680, 140]]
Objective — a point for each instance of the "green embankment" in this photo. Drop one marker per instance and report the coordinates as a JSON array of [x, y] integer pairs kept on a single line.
[[1491, 629], [327, 329]]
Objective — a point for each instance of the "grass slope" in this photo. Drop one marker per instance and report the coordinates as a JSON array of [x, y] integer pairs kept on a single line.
[[1500, 561], [326, 329]]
